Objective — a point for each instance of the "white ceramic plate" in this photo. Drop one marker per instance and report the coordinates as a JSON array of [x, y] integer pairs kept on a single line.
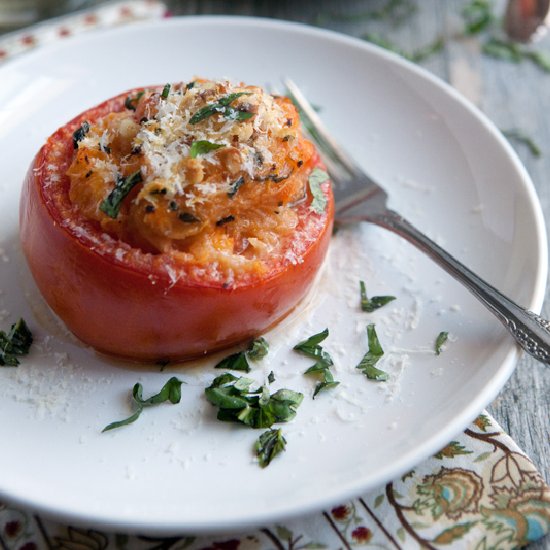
[[177, 468]]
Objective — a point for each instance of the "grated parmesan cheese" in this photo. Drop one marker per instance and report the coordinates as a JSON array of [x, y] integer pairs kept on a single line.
[[165, 138], [211, 173]]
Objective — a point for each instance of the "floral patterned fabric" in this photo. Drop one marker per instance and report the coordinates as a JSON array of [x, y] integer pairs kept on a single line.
[[479, 492]]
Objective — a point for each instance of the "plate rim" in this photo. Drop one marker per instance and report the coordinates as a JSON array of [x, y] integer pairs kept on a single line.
[[431, 444]]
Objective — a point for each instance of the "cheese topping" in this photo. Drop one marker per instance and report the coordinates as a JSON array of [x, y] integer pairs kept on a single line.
[[208, 171]]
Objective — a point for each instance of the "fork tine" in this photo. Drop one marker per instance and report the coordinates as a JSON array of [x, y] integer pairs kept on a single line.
[[351, 186], [334, 154]]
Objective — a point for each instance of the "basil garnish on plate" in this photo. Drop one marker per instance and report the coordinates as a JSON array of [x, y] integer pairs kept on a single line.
[[257, 349], [440, 341], [268, 446], [15, 343], [235, 361], [256, 408], [374, 303], [171, 391], [367, 364], [323, 361]]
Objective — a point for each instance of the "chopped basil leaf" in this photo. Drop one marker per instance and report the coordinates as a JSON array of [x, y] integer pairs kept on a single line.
[[322, 386], [165, 91], [440, 341], [17, 342], [311, 347], [235, 187], [367, 364], [111, 204], [327, 381], [236, 402], [316, 178], [516, 135], [227, 100], [373, 373], [202, 147], [376, 302], [235, 114], [171, 391], [323, 361], [478, 16], [271, 377], [79, 134], [235, 361], [268, 446], [223, 107], [190, 85], [131, 102], [258, 349], [125, 422], [312, 341], [317, 368]]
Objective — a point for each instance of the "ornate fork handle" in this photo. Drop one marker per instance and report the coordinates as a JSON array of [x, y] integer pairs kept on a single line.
[[531, 331]]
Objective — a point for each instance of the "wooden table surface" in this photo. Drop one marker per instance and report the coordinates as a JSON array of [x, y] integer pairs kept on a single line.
[[511, 95]]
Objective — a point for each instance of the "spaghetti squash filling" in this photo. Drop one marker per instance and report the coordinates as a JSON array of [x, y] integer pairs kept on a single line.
[[208, 172]]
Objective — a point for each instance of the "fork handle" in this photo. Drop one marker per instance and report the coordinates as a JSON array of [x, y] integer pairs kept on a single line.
[[531, 331]]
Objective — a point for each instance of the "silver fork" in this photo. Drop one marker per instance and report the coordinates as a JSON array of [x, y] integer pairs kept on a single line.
[[359, 198]]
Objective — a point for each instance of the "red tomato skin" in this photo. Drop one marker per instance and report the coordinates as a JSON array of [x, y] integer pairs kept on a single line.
[[124, 310]]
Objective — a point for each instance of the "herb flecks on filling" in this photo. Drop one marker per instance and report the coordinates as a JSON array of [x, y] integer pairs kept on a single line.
[[221, 169]]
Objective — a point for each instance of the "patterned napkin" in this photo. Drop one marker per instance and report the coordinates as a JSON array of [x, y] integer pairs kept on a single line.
[[479, 492]]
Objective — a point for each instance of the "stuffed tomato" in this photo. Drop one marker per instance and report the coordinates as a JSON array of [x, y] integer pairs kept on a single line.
[[172, 221]]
